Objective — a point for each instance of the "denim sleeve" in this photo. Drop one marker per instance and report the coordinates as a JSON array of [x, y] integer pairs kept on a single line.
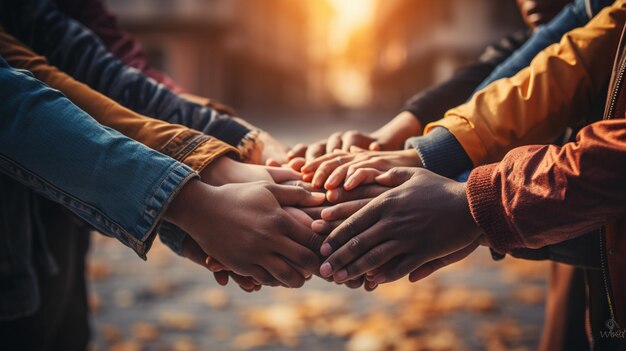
[[115, 184], [575, 14], [440, 152], [79, 52]]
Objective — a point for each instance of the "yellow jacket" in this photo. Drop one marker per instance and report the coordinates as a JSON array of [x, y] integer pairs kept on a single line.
[[179, 142], [537, 104]]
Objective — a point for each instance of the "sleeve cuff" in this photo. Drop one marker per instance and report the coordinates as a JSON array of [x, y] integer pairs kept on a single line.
[[227, 130], [486, 207], [440, 152], [156, 206], [173, 237]]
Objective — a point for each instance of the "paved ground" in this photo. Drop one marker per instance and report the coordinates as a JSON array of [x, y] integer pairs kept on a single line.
[[167, 303]]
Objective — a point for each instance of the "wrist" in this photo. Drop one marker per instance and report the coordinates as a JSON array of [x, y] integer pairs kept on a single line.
[[411, 158], [182, 210], [393, 134], [466, 220]]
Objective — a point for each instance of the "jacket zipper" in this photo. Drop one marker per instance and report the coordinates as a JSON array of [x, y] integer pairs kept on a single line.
[[603, 257]]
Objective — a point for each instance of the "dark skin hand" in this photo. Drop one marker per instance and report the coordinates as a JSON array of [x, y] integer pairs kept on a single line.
[[249, 232], [538, 12], [406, 229]]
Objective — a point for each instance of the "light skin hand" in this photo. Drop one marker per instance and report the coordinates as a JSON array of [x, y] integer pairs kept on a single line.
[[249, 232], [404, 229], [226, 171], [389, 137], [332, 169]]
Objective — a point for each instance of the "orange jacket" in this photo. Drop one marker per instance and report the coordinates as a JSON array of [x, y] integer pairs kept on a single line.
[[537, 104], [179, 142]]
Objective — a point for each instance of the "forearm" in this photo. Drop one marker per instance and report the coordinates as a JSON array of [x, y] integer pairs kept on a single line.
[[538, 103], [117, 185], [541, 195], [188, 146], [56, 36], [394, 133]]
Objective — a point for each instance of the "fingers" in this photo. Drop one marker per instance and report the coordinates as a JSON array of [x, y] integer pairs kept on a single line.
[[354, 138], [396, 176], [397, 271], [283, 174], [262, 276], [343, 210], [372, 259], [333, 142], [299, 215], [363, 192], [315, 150], [324, 227], [428, 268], [221, 277], [300, 255], [361, 176], [288, 195], [313, 212], [313, 165], [297, 151], [297, 163], [283, 272], [355, 283], [337, 176], [270, 162], [357, 233], [245, 283], [375, 146], [302, 234]]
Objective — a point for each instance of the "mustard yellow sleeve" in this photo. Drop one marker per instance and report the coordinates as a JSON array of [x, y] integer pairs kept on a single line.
[[536, 105], [179, 142]]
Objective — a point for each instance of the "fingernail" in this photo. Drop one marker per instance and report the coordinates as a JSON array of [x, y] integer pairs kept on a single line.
[[347, 184], [326, 214], [326, 270], [332, 195], [330, 181], [318, 196], [326, 250], [341, 275], [317, 226], [379, 279]]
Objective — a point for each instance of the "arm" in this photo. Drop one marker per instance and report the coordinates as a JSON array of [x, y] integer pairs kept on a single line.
[[94, 15], [573, 15], [190, 147], [117, 185], [77, 51], [538, 103], [541, 195]]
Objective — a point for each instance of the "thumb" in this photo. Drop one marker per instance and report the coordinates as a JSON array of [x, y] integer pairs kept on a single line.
[[272, 163], [375, 146], [289, 195], [355, 148], [395, 176]]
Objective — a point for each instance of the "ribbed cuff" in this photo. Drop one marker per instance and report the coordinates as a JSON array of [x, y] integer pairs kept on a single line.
[[440, 152], [486, 207]]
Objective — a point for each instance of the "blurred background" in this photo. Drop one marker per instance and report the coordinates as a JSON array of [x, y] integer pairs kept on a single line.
[[301, 70]]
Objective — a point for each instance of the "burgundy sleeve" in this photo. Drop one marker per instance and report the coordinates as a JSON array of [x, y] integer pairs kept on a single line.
[[542, 195], [94, 15]]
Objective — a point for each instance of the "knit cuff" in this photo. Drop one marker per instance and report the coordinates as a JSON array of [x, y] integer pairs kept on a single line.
[[440, 152], [486, 207]]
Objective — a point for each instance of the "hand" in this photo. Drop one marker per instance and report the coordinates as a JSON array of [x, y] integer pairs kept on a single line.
[[389, 137], [193, 252], [274, 152], [332, 169], [226, 171], [245, 228], [403, 229]]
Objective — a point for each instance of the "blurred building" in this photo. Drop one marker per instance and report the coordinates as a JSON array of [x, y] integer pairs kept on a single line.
[[241, 52], [420, 42]]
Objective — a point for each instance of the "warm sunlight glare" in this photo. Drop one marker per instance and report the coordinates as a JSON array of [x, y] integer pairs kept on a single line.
[[349, 82]]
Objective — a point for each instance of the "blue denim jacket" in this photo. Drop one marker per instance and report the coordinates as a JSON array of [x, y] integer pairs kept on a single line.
[[439, 150], [77, 51], [115, 184]]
